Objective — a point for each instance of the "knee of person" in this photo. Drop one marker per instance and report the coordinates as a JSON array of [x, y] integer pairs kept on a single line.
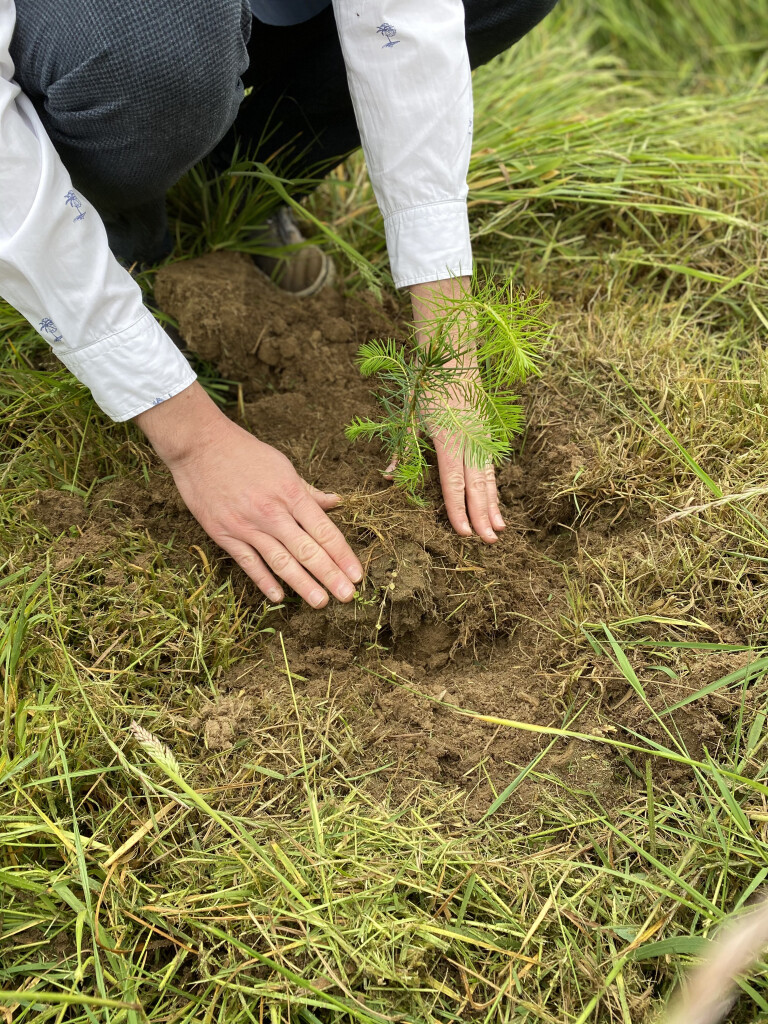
[[495, 25], [184, 84], [198, 75], [155, 92], [531, 12], [547, 6]]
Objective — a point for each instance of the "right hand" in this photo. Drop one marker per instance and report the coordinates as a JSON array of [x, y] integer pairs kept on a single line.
[[469, 492], [251, 501]]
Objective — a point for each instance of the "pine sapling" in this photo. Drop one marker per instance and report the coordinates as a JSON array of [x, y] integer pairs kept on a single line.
[[456, 381]]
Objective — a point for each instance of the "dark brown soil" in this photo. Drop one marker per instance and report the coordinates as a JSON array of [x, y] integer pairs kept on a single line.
[[440, 621]]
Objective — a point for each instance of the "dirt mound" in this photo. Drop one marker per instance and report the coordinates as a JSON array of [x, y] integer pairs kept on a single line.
[[231, 315]]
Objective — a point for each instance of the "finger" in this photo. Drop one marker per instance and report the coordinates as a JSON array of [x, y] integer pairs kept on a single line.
[[284, 564], [387, 474], [313, 558], [330, 539], [325, 500], [252, 564], [452, 483], [477, 503], [494, 512]]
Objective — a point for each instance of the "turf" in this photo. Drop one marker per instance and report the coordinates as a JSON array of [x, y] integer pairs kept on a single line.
[[620, 168]]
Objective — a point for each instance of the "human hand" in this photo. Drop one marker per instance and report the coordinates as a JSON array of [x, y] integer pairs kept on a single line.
[[251, 501], [469, 492]]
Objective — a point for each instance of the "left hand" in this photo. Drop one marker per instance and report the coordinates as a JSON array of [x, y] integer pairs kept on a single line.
[[469, 492]]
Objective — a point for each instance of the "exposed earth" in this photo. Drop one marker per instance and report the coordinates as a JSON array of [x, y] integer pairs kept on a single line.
[[439, 621]]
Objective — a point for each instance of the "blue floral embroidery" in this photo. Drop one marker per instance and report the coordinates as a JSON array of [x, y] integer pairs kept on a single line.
[[71, 200], [389, 31], [158, 401], [47, 326]]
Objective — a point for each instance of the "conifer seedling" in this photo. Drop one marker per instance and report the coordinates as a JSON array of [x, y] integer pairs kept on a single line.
[[458, 380]]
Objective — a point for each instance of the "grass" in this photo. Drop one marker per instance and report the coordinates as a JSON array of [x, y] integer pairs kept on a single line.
[[620, 167]]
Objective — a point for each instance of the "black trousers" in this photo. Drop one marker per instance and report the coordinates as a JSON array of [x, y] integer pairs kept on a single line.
[[132, 95]]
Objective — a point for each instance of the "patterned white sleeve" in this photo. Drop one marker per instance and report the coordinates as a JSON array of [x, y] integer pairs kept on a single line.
[[57, 270], [411, 86]]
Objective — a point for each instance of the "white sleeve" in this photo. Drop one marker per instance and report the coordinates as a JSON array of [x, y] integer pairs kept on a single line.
[[57, 270], [411, 87]]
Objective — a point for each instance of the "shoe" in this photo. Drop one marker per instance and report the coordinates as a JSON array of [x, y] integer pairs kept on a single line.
[[301, 272]]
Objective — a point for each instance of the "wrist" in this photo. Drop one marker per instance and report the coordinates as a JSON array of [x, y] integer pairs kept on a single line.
[[432, 299], [438, 314], [180, 426]]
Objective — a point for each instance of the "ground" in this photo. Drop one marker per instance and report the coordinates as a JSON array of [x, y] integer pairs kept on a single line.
[[522, 782], [467, 625]]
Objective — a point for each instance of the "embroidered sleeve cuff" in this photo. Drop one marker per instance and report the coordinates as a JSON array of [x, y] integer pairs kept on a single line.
[[129, 372], [429, 243]]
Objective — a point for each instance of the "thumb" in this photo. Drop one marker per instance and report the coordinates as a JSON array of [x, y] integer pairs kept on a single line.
[[323, 499]]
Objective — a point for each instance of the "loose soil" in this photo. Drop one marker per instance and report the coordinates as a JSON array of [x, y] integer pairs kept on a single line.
[[440, 622]]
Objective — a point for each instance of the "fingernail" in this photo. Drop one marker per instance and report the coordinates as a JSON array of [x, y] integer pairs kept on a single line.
[[275, 595], [466, 529], [354, 573], [345, 591], [317, 598], [490, 535]]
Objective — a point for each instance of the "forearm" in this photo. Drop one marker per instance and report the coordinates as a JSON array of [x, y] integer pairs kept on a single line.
[[56, 267], [428, 299], [411, 87]]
